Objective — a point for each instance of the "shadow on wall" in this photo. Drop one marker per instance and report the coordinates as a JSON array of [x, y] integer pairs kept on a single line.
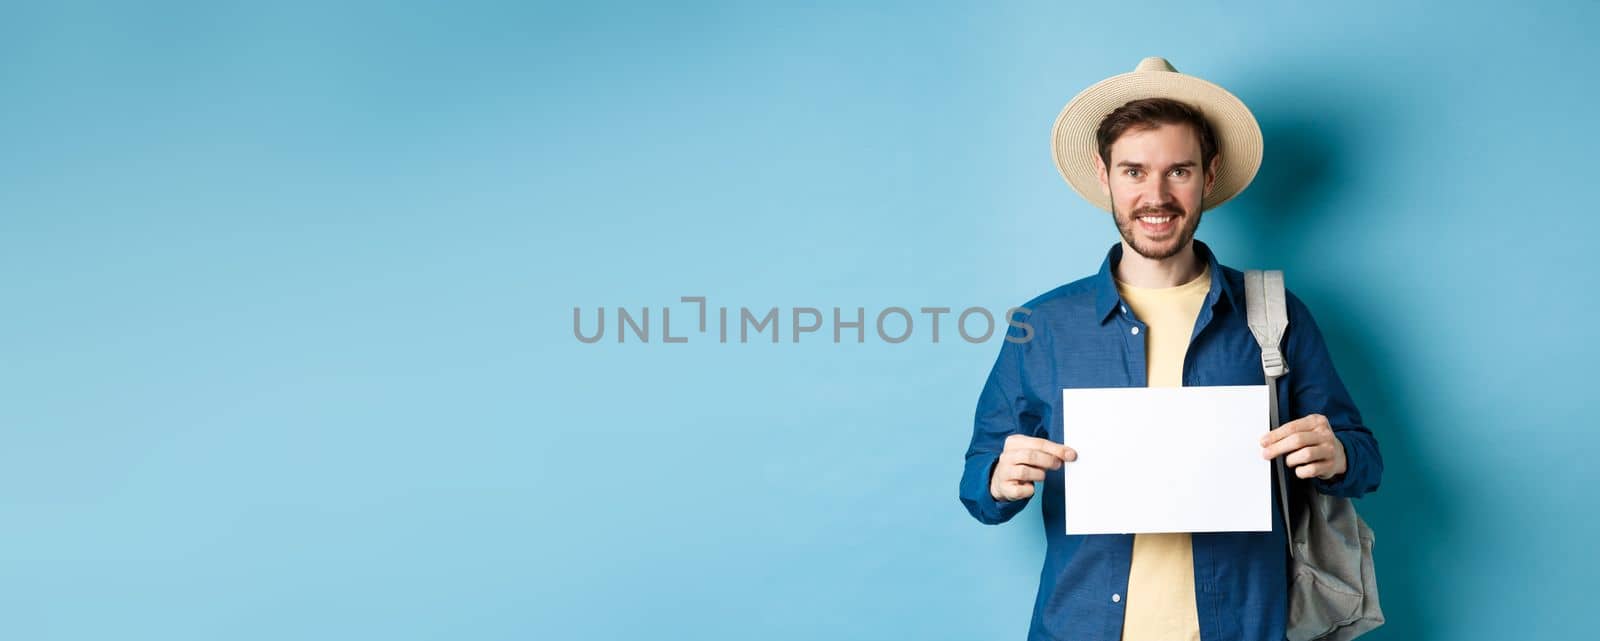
[[1312, 147]]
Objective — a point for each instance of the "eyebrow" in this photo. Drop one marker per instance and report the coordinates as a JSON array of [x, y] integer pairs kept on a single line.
[[1136, 165]]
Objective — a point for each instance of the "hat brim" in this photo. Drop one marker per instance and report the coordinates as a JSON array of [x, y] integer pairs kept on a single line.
[[1238, 136]]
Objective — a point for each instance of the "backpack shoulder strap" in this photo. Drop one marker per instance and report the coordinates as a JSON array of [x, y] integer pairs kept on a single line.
[[1268, 317], [1267, 313]]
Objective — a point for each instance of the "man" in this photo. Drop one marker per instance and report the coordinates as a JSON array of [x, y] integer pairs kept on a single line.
[[1157, 148]]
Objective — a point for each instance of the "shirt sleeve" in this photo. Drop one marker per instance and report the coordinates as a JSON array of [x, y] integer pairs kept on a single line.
[[997, 417], [1315, 388]]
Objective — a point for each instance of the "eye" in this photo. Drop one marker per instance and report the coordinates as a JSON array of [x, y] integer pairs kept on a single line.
[[1131, 172], [1180, 172]]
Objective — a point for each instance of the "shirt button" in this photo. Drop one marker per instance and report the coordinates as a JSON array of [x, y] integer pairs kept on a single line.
[[1116, 598], [1124, 309], [1135, 331]]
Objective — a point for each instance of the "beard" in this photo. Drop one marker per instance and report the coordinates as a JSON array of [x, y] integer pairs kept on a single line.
[[1162, 248]]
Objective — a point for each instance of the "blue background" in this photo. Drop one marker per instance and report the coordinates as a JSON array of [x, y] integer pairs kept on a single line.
[[288, 289]]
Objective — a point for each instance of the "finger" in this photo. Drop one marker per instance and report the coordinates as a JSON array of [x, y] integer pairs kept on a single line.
[[1307, 471], [1040, 459], [1015, 454], [1291, 443], [1016, 491], [1057, 450], [1306, 455], [1061, 451], [1283, 431], [1029, 456], [1037, 452], [1021, 441], [1308, 423], [1026, 473], [1006, 473]]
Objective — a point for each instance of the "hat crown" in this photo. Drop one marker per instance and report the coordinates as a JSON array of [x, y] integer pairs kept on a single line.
[[1155, 63]]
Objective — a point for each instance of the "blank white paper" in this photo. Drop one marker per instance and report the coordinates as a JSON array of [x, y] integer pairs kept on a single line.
[[1166, 459]]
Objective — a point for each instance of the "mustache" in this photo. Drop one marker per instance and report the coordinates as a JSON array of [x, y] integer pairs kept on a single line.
[[1159, 209]]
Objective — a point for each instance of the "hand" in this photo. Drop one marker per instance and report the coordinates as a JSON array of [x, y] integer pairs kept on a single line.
[[1312, 448], [1024, 461]]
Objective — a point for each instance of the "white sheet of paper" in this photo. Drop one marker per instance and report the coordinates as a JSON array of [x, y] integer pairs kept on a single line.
[[1167, 459]]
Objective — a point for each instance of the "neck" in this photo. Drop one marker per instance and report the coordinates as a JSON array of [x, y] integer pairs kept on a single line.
[[1134, 269]]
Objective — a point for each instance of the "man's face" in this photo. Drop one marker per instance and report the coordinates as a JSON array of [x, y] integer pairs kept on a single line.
[[1156, 186]]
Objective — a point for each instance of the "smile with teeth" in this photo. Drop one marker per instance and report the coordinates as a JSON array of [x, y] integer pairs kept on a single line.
[[1155, 220]]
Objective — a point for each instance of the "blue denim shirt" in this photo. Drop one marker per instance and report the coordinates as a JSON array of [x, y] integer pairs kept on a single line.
[[1083, 336]]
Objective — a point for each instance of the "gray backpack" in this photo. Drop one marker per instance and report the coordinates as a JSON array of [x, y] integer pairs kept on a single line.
[[1334, 594]]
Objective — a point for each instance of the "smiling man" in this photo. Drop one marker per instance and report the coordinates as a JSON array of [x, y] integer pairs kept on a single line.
[[1157, 148]]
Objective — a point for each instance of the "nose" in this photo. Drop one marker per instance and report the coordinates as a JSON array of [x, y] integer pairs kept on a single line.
[[1157, 193]]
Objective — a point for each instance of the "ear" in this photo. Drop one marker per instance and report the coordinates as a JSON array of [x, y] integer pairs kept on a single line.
[[1100, 175], [1211, 174]]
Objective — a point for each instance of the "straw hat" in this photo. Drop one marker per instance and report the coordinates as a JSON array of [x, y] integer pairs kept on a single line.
[[1238, 136]]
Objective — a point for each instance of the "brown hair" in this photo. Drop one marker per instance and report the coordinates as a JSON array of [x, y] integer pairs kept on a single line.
[[1149, 113]]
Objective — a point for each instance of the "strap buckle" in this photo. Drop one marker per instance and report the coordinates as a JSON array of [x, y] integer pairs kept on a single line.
[[1272, 362]]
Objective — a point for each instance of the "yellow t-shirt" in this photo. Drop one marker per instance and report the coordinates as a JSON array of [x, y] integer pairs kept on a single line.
[[1160, 601]]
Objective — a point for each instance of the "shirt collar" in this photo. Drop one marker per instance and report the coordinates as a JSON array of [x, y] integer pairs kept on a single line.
[[1108, 300]]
